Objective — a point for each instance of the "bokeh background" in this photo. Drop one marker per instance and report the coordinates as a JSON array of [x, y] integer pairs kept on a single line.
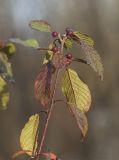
[[98, 18]]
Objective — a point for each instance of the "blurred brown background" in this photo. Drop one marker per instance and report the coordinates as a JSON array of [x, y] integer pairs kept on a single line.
[[98, 18]]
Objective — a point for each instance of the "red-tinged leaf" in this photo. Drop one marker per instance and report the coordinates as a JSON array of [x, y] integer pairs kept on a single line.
[[43, 84], [40, 25], [81, 119], [49, 156], [59, 61], [93, 58], [21, 152]]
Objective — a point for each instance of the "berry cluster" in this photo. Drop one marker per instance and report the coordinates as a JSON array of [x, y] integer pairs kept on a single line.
[[69, 32], [69, 57]]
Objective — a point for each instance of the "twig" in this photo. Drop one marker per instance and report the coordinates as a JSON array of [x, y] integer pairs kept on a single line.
[[43, 49], [80, 60], [49, 115]]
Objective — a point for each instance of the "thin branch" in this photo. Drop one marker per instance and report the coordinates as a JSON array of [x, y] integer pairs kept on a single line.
[[43, 49], [49, 115], [80, 60]]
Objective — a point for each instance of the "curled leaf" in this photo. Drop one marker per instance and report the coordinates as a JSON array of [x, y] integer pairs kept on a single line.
[[76, 92], [81, 119], [27, 43], [29, 135], [40, 25]]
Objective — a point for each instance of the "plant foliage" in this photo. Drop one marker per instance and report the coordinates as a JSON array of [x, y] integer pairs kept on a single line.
[[56, 60]]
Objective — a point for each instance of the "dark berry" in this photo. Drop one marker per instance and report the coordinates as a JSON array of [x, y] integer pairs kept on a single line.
[[54, 34], [69, 32], [67, 29], [55, 49], [69, 56]]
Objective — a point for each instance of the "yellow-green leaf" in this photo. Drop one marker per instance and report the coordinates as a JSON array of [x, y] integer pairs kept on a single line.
[[81, 119], [5, 68], [4, 94], [11, 48], [2, 84], [84, 37], [40, 25], [76, 91], [29, 135], [49, 54], [5, 99], [27, 43], [68, 43]]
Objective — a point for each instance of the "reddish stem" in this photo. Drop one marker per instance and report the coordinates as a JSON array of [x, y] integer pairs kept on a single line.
[[49, 115]]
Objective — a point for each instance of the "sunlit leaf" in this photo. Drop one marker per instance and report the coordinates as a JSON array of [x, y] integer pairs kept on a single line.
[[93, 58], [2, 84], [5, 68], [43, 84], [40, 25], [83, 37], [76, 92], [29, 135], [5, 99], [81, 119], [27, 43], [11, 48], [4, 94], [49, 54], [68, 43]]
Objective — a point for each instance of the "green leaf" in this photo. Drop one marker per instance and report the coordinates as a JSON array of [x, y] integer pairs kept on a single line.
[[68, 43], [4, 100], [5, 68], [29, 135], [27, 43], [76, 92], [83, 37], [49, 54], [11, 48], [2, 84], [93, 58], [4, 94], [81, 119], [40, 25]]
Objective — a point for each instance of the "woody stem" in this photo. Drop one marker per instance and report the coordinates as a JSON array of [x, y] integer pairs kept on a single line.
[[49, 115]]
